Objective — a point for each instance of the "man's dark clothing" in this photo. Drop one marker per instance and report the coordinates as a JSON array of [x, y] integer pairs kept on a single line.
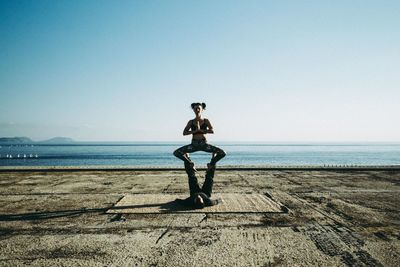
[[195, 190], [190, 200], [194, 184]]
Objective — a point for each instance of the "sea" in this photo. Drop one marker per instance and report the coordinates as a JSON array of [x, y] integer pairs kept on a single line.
[[160, 154]]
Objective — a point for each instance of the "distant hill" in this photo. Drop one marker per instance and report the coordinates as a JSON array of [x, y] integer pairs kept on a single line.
[[26, 140], [58, 140], [16, 140]]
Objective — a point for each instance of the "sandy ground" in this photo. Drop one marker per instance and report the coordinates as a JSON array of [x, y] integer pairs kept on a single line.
[[334, 218]]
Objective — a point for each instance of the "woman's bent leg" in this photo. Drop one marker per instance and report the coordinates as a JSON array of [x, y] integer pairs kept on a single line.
[[181, 153], [218, 153]]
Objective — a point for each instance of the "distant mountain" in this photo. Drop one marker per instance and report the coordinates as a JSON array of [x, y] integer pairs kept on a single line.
[[16, 140], [58, 140], [26, 140]]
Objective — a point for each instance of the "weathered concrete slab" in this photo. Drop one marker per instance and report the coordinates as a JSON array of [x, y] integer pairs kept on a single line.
[[335, 218], [165, 203]]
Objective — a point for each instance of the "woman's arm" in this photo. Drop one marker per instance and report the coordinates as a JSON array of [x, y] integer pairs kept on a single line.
[[187, 131], [209, 126]]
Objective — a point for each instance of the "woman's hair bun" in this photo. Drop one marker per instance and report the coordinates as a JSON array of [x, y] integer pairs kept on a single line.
[[198, 103]]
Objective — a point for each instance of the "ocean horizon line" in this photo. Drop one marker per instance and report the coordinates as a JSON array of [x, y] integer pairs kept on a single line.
[[232, 143]]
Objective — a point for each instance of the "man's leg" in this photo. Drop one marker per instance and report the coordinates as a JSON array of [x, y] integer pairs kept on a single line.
[[208, 182], [192, 179], [217, 154]]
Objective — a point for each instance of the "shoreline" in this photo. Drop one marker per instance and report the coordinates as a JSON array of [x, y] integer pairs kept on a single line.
[[176, 168]]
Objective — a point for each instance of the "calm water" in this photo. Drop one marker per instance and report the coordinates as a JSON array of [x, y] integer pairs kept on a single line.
[[160, 154]]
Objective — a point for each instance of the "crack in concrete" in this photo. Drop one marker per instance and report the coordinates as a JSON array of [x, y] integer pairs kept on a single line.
[[162, 235]]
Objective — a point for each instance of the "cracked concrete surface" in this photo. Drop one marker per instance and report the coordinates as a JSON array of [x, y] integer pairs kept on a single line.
[[334, 218]]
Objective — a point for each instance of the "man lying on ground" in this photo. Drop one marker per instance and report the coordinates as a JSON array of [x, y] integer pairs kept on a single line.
[[199, 197]]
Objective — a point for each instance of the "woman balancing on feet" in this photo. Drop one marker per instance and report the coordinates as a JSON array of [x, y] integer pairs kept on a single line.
[[199, 127]]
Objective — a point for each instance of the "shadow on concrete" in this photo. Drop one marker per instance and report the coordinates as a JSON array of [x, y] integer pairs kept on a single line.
[[168, 207], [48, 214]]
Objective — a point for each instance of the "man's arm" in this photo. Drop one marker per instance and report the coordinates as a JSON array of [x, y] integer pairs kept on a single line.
[[208, 201]]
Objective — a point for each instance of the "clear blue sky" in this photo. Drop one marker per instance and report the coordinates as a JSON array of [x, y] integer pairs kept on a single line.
[[268, 70]]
